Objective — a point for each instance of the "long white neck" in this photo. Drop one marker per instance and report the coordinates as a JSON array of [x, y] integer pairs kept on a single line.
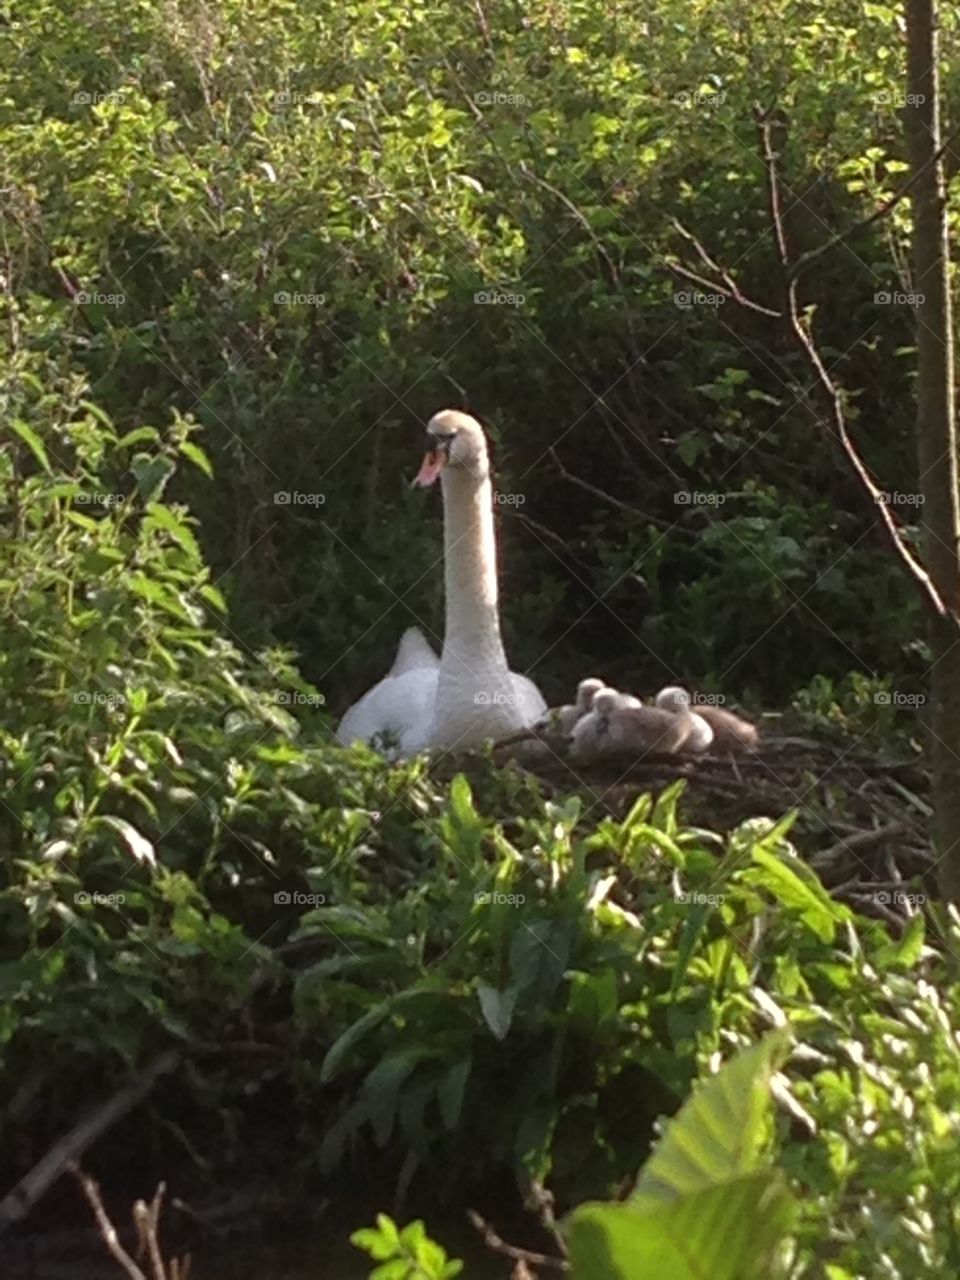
[[472, 637]]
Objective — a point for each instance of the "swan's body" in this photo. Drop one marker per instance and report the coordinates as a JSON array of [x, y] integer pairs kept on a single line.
[[730, 732], [563, 719], [677, 701], [399, 706], [616, 727], [470, 695]]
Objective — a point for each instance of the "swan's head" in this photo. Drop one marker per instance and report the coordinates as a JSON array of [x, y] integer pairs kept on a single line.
[[673, 698], [454, 439], [585, 691]]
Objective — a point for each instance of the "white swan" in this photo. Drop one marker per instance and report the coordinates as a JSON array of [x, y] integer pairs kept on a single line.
[[615, 726], [470, 695], [677, 700], [730, 732]]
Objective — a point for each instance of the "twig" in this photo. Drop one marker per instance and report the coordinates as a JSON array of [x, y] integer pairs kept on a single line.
[[603, 496], [17, 1203], [494, 1242], [581, 217], [147, 1219], [801, 336], [108, 1231], [732, 289]]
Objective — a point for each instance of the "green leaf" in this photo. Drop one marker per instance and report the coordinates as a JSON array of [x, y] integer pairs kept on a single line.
[[161, 517], [197, 457], [497, 1007], [718, 1133], [138, 845], [32, 441], [152, 474], [797, 886], [727, 1231], [450, 1093]]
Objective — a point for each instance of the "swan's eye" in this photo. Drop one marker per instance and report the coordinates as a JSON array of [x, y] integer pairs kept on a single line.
[[438, 441]]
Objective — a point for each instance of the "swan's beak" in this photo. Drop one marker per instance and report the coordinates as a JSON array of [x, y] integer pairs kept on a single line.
[[433, 463]]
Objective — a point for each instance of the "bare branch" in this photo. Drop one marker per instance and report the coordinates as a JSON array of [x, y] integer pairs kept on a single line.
[[18, 1202], [801, 336], [494, 1242], [108, 1231], [606, 497]]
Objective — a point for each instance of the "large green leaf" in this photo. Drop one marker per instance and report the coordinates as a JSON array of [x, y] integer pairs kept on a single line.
[[719, 1131], [728, 1231]]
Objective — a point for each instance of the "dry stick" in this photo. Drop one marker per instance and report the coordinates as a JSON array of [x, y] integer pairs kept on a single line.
[[17, 1203], [494, 1242], [147, 1218], [802, 337], [107, 1230], [732, 289], [732, 295]]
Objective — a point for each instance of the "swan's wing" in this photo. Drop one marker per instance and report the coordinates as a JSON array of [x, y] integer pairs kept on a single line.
[[397, 707], [530, 700], [412, 652]]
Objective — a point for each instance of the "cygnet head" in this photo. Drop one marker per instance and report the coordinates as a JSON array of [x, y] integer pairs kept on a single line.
[[586, 690], [454, 440], [673, 698], [605, 701]]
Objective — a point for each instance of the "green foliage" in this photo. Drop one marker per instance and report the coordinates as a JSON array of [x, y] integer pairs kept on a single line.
[[180, 175], [405, 1254], [704, 1205]]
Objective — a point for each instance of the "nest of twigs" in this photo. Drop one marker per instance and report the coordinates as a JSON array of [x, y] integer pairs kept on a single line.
[[864, 817]]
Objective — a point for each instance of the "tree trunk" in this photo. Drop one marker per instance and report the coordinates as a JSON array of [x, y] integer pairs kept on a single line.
[[936, 427]]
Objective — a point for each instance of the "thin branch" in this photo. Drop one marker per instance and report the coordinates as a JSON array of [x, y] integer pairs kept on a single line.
[[494, 1242], [18, 1202], [732, 289], [605, 497], [108, 1231], [732, 295], [801, 335], [581, 217]]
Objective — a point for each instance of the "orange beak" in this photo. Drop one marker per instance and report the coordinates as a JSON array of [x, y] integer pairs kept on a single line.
[[433, 463]]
